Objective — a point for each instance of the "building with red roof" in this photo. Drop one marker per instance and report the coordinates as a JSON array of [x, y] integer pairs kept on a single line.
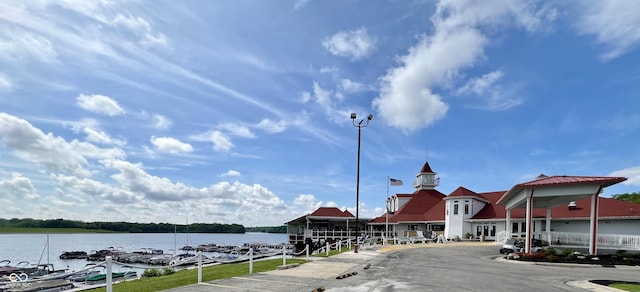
[[558, 208], [464, 213]]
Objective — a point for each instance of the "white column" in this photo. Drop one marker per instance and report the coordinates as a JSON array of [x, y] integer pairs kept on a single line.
[[548, 226], [593, 228], [199, 267], [507, 227], [529, 215], [109, 275]]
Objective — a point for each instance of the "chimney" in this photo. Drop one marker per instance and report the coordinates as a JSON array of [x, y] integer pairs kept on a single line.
[[572, 205]]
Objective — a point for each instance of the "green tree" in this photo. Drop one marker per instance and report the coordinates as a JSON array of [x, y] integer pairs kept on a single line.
[[632, 197]]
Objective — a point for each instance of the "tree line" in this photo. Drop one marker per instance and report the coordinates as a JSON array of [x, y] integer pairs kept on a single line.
[[124, 226], [632, 197], [268, 229]]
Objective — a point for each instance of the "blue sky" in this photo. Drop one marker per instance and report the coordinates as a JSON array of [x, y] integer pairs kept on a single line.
[[238, 111]]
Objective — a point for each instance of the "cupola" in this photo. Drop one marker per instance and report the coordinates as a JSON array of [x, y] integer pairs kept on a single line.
[[426, 179]]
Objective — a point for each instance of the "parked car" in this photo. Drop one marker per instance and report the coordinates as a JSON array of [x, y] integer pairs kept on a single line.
[[517, 245]]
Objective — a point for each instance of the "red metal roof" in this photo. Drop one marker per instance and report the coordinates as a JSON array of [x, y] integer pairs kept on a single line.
[[463, 192], [542, 181], [331, 212], [434, 210], [608, 208], [424, 205], [565, 179], [426, 168]]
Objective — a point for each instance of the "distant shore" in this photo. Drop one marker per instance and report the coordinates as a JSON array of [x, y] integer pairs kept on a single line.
[[22, 230]]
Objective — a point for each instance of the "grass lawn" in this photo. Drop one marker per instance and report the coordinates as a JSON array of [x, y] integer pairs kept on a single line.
[[9, 230], [188, 277], [626, 287]]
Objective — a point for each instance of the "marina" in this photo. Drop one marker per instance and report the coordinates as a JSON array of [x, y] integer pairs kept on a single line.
[[64, 257]]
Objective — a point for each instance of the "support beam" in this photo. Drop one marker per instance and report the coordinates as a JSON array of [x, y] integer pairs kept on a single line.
[[593, 228], [529, 223], [507, 227], [548, 225]]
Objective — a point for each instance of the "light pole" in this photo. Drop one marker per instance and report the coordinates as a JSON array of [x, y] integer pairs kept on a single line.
[[359, 126]]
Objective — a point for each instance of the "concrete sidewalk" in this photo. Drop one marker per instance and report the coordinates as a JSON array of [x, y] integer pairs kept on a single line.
[[305, 277]]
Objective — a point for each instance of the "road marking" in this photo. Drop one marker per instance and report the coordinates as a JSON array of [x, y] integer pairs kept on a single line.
[[262, 280]]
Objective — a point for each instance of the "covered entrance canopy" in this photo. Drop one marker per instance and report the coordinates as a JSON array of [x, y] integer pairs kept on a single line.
[[551, 191]]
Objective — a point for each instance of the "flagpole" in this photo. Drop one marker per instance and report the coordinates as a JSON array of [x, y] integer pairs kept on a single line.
[[386, 229]]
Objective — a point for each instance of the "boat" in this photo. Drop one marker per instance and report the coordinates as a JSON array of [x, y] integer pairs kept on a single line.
[[82, 275], [100, 255], [7, 269], [102, 278], [69, 255], [45, 285]]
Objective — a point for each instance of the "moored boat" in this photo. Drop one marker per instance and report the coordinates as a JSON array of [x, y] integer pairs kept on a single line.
[[68, 255], [101, 278]]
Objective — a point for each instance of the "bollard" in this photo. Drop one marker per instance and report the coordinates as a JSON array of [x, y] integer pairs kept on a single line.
[[199, 267], [251, 260], [328, 249], [349, 243], [307, 249], [339, 246], [109, 276]]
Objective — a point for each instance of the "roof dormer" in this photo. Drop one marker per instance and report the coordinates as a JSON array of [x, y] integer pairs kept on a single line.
[[426, 179]]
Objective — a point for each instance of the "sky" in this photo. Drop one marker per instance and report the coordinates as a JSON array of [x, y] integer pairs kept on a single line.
[[238, 111]]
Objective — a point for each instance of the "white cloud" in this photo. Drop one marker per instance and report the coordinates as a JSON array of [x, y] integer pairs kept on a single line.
[[5, 82], [101, 137], [31, 144], [614, 23], [407, 100], [230, 173], [170, 145], [481, 85], [305, 200], [237, 130], [161, 122], [18, 44], [355, 44], [632, 174], [493, 95], [99, 104], [272, 126], [85, 187], [18, 187], [351, 86], [221, 142], [142, 28], [322, 96], [299, 4]]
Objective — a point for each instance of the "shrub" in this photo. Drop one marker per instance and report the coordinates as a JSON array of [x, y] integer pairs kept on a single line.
[[151, 273], [168, 271], [551, 251]]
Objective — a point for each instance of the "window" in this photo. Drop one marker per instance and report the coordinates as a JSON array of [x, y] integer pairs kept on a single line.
[[514, 227], [466, 209], [455, 207]]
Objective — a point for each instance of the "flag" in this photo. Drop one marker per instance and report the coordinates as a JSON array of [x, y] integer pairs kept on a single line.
[[395, 182]]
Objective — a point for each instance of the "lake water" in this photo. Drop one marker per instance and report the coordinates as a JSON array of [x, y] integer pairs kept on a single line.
[[33, 248]]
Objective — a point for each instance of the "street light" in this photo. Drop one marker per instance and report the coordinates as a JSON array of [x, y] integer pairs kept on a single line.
[[359, 126]]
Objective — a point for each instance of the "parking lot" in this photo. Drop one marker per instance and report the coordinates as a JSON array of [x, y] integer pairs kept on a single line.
[[431, 267]]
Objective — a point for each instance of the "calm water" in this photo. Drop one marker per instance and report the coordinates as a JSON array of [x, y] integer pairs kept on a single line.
[[33, 248]]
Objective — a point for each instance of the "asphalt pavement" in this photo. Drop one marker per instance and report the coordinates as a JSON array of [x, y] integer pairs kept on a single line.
[[423, 267]]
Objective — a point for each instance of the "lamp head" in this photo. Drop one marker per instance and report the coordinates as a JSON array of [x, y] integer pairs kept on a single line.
[[370, 117], [353, 116]]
